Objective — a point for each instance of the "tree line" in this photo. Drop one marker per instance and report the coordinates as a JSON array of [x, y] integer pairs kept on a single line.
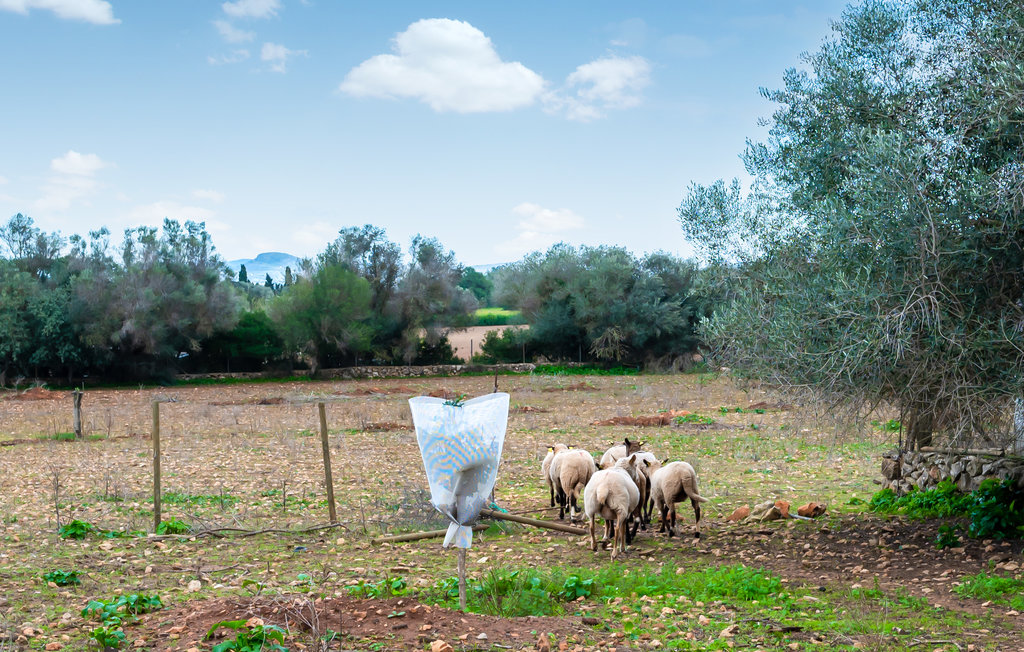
[[162, 302]]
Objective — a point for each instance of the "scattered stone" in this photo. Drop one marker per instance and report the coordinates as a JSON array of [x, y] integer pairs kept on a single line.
[[543, 643], [194, 586], [440, 646]]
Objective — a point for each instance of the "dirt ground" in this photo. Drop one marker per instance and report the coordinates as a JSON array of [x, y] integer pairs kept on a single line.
[[249, 457]]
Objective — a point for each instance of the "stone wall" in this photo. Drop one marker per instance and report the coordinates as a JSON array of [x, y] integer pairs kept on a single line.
[[924, 470], [379, 372]]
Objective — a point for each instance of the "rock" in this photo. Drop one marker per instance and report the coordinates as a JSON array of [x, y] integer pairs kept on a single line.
[[590, 620], [193, 586], [54, 646], [440, 646], [729, 631], [783, 508], [543, 643], [739, 514], [772, 514], [891, 469], [812, 510], [482, 636]]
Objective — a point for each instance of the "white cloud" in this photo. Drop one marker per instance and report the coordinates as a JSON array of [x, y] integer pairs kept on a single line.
[[85, 165], [74, 180], [539, 228], [235, 56], [155, 213], [91, 11], [3, 180], [449, 65], [607, 83], [209, 195], [277, 56], [251, 8], [232, 34]]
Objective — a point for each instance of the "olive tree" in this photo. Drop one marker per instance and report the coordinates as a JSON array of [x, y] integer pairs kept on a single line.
[[879, 254]]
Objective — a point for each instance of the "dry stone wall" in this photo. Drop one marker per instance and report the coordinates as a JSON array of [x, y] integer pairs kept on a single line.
[[409, 371], [924, 470]]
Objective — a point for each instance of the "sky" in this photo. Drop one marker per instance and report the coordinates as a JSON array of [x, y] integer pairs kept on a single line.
[[499, 128]]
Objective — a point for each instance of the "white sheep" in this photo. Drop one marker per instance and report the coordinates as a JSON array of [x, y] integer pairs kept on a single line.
[[570, 470], [545, 467], [671, 484], [612, 494], [617, 452]]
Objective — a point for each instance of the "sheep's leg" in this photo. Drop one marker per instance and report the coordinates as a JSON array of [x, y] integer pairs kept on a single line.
[[552, 488], [696, 514], [561, 503], [609, 529], [664, 518], [573, 505], [593, 532], [672, 521], [620, 535], [630, 536]]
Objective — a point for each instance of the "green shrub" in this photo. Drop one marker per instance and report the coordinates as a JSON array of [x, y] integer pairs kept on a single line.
[[694, 418], [995, 510]]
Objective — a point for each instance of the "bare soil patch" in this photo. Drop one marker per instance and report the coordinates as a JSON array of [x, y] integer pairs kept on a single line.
[[396, 623]]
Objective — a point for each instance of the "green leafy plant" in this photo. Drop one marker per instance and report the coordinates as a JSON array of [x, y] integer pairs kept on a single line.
[[694, 418], [113, 612], [62, 577], [997, 510], [107, 638], [173, 526], [947, 537], [458, 401], [249, 639], [76, 530], [574, 588]]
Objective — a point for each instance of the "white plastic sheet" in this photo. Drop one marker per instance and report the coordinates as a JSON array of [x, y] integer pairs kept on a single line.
[[461, 448]]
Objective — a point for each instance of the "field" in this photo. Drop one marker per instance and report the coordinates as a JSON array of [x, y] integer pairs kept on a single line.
[[242, 469]]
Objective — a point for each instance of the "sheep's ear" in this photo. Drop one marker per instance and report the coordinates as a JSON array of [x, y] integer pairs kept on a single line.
[[632, 459], [626, 440], [551, 449], [664, 461], [647, 463]]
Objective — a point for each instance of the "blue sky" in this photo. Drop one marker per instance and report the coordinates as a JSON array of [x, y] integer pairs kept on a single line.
[[499, 128]]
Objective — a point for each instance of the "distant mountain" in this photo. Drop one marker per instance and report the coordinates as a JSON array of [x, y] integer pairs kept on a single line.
[[271, 262]]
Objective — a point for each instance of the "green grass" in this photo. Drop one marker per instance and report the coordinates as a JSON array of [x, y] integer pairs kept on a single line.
[[1002, 590], [583, 370], [497, 317]]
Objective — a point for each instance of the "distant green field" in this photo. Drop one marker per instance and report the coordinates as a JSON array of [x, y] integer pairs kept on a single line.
[[497, 317]]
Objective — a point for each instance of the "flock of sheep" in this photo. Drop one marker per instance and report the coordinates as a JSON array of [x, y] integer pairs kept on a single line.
[[624, 492]]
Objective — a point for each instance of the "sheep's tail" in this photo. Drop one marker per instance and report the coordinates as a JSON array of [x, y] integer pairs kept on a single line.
[[691, 493]]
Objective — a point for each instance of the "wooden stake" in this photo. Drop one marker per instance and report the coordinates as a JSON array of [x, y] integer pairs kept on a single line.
[[328, 479], [416, 536], [462, 579], [76, 397], [156, 465], [533, 521]]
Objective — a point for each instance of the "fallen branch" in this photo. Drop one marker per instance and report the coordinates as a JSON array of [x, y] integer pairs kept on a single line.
[[416, 536], [532, 521]]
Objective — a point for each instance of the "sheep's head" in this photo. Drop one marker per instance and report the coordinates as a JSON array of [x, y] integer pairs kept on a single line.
[[628, 464], [557, 448], [632, 446]]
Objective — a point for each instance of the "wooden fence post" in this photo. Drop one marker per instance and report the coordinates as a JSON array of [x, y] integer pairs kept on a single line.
[[76, 397], [156, 465], [328, 479]]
